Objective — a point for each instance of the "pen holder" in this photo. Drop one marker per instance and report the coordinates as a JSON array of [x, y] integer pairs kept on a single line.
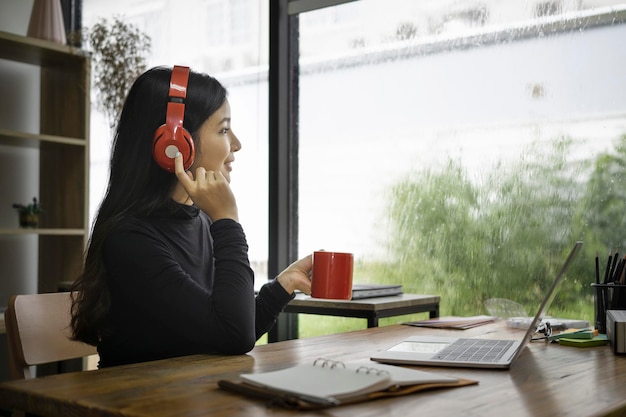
[[607, 297]]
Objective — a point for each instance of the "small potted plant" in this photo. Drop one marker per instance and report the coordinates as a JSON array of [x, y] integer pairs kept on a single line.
[[29, 213]]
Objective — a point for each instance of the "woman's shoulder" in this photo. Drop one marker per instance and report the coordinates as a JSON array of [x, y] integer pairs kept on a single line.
[[131, 230]]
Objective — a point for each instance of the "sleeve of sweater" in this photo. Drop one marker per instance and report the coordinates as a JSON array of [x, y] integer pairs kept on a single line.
[[271, 300], [272, 297]]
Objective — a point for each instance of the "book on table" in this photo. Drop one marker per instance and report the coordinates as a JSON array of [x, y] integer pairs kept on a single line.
[[327, 383], [363, 291]]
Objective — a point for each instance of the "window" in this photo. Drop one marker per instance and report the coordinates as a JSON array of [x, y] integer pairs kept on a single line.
[[454, 146]]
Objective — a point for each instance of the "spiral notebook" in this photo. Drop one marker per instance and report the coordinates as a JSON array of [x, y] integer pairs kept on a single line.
[[326, 383]]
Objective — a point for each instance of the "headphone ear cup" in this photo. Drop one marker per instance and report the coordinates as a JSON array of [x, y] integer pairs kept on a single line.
[[165, 146]]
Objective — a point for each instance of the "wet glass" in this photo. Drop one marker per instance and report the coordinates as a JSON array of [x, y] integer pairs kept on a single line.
[[460, 147]]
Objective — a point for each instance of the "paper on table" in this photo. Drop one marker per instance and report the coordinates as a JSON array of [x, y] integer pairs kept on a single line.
[[402, 376], [317, 381], [598, 340], [341, 381]]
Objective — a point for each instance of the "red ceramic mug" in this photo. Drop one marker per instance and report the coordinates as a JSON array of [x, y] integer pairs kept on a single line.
[[332, 275]]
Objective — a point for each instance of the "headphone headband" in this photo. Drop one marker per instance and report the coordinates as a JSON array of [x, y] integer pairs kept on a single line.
[[176, 100], [178, 82]]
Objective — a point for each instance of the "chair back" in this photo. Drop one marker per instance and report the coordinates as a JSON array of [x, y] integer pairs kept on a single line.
[[38, 332]]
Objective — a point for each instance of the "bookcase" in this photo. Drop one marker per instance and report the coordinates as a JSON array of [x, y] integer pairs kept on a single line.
[[62, 149]]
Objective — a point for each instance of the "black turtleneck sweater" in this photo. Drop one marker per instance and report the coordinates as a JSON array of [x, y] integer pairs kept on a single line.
[[182, 285]]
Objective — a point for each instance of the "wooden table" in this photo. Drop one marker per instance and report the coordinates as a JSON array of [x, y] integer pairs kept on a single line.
[[371, 309], [547, 380]]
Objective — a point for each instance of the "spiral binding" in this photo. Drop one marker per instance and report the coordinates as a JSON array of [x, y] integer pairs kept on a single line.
[[331, 364], [368, 370], [328, 363]]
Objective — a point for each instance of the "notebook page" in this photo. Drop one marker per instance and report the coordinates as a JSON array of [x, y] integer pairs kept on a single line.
[[320, 381], [403, 376]]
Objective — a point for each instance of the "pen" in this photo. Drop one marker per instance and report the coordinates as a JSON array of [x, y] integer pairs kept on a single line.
[[615, 258], [608, 266], [618, 271], [597, 269], [313, 399]]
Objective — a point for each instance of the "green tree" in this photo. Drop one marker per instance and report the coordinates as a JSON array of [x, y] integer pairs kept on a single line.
[[502, 235], [603, 218]]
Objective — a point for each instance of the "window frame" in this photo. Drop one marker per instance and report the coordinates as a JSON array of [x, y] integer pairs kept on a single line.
[[283, 82]]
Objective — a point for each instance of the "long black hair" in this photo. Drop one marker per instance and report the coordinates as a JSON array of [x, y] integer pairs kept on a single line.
[[137, 185]]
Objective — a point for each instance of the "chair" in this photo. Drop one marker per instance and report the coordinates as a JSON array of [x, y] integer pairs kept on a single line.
[[37, 328]]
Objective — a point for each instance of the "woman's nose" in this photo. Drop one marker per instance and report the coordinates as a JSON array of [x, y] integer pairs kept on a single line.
[[235, 145]]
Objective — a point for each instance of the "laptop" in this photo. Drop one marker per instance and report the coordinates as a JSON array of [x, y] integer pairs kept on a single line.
[[361, 291], [470, 352]]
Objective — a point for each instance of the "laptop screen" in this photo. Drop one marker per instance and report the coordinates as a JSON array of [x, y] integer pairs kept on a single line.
[[550, 293]]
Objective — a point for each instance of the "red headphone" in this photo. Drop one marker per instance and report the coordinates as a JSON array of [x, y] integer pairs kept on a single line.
[[172, 137]]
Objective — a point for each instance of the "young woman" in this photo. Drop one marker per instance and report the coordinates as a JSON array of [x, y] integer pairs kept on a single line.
[[166, 271]]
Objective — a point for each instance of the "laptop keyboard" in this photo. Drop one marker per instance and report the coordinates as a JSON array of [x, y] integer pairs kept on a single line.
[[474, 350]]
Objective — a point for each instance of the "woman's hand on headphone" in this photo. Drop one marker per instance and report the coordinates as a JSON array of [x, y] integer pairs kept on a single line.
[[209, 191]]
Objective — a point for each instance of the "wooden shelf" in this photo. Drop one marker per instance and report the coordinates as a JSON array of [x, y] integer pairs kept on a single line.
[[17, 138], [46, 232], [62, 143], [38, 51]]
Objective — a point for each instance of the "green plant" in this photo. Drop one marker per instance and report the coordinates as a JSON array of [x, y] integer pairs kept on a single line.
[[603, 211], [29, 213], [503, 234], [31, 208], [119, 51]]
